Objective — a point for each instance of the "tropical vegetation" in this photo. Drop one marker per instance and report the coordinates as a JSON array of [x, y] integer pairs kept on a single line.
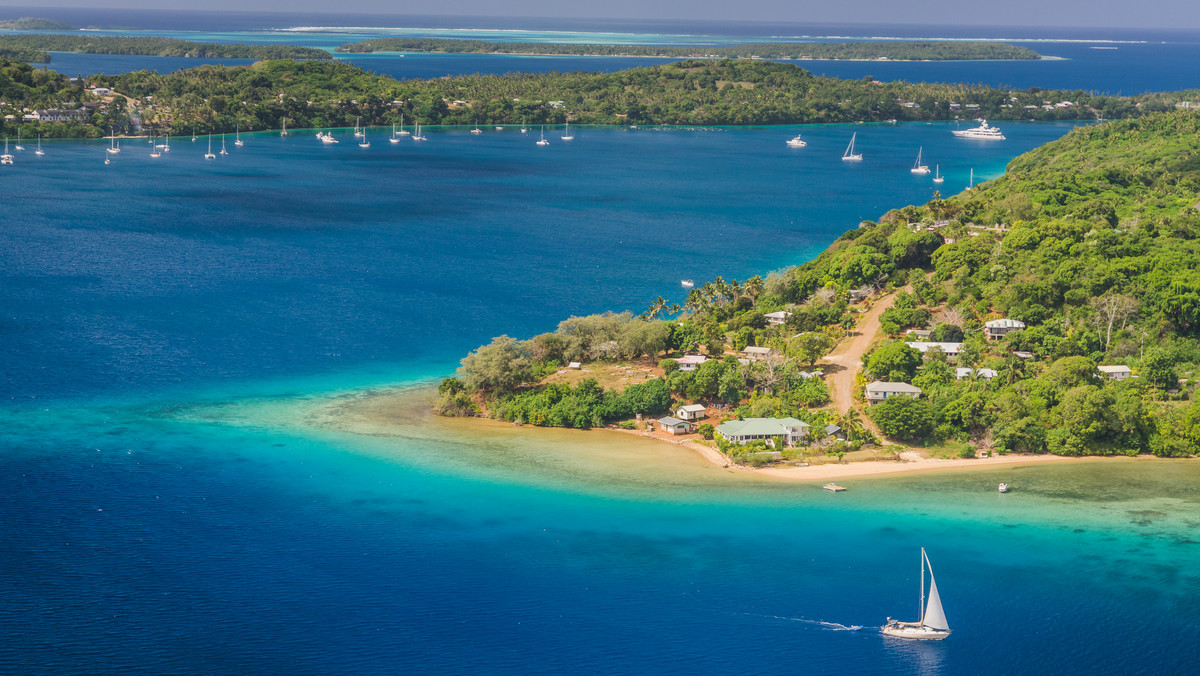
[[43, 44]]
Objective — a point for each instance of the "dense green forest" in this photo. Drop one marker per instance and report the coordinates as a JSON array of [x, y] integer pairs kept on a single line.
[[23, 54], [33, 24], [894, 51], [322, 94], [151, 46], [1093, 241]]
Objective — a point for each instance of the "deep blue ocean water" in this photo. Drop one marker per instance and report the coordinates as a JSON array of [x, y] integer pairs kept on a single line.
[[177, 497]]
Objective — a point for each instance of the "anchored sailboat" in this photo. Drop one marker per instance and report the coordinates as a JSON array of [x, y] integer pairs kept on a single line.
[[209, 155], [393, 138], [933, 624], [937, 175], [919, 168], [402, 131], [283, 132], [567, 135], [237, 136], [223, 151], [39, 150], [542, 141], [6, 158], [113, 148], [850, 155]]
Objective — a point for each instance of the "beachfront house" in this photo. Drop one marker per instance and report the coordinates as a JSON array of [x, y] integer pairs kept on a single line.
[[691, 412], [674, 425], [689, 362], [757, 353], [1119, 372], [879, 390], [835, 432], [742, 432], [777, 318], [999, 328], [951, 350]]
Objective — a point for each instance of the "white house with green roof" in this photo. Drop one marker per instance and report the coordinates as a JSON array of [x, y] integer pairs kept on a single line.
[[753, 429]]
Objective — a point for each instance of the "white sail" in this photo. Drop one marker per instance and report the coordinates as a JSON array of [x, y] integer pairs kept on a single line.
[[934, 615]]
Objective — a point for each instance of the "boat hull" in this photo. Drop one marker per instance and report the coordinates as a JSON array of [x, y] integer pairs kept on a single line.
[[913, 633]]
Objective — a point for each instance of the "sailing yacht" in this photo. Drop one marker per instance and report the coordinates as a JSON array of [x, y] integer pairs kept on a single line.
[[937, 174], [237, 138], [154, 152], [19, 146], [393, 138], [919, 168], [567, 136], [6, 158], [971, 181], [358, 132], [417, 135], [166, 147], [209, 155], [477, 130], [283, 132], [403, 131], [932, 625], [797, 142], [113, 148], [850, 155], [364, 143], [543, 141], [193, 134], [524, 129], [39, 150], [223, 151]]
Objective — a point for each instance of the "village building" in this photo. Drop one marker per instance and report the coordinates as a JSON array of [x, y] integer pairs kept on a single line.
[[1118, 372], [949, 349], [986, 374], [689, 362], [919, 334], [777, 318], [763, 429], [998, 328], [691, 412], [835, 432], [1023, 354], [757, 353], [674, 425], [879, 390]]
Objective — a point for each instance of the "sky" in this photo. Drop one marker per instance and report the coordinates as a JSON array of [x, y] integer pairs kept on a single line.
[[1081, 13]]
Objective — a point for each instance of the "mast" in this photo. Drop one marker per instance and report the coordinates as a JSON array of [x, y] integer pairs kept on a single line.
[[921, 608]]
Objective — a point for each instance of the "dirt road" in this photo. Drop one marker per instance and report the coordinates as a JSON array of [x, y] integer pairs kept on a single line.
[[844, 363]]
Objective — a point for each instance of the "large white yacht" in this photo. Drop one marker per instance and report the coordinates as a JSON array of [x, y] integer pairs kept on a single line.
[[982, 132]]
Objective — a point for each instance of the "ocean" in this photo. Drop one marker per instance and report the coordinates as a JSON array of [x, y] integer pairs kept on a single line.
[[188, 485]]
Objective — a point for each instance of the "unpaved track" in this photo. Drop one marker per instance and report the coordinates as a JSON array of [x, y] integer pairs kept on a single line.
[[846, 359]]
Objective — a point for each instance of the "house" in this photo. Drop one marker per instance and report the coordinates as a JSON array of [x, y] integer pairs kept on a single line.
[[949, 349], [879, 390], [986, 374], [1119, 372], [58, 115], [919, 334], [777, 318], [689, 362], [998, 328], [754, 429], [757, 353], [1023, 354], [859, 295], [674, 425], [101, 91], [691, 412], [835, 432]]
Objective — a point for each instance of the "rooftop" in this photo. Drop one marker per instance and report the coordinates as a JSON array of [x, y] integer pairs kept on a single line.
[[881, 386], [759, 427]]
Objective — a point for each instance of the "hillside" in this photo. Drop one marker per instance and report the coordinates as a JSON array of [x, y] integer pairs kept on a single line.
[[1092, 242]]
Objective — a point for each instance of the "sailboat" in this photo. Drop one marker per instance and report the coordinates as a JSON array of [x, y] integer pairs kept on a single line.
[[209, 155], [403, 131], [6, 158], [223, 151], [971, 181], [937, 174], [543, 141], [19, 146], [193, 134], [237, 136], [364, 143], [39, 150], [524, 129], [919, 168], [357, 131], [106, 160], [476, 130], [154, 153], [113, 148], [394, 138], [849, 155], [166, 147], [283, 132], [567, 136], [417, 135], [933, 624]]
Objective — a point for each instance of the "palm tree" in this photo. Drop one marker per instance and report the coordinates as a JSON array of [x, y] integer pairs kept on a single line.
[[655, 308]]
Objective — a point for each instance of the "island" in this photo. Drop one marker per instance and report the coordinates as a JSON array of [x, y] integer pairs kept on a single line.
[[34, 24], [892, 50], [1054, 310], [151, 46]]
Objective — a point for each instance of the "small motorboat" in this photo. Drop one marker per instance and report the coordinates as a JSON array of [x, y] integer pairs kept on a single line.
[[833, 487], [1003, 488], [687, 283]]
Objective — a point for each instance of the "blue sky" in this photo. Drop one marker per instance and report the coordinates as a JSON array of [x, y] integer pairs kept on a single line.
[[1083, 13]]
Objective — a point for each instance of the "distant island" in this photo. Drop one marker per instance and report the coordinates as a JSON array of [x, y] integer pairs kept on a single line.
[[328, 94], [1053, 310], [41, 45], [33, 24], [926, 50]]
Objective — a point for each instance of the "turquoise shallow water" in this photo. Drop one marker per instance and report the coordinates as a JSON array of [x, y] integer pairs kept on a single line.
[[178, 497]]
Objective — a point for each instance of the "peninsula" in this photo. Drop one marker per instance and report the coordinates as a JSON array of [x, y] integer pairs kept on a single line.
[[1054, 310], [34, 24], [902, 50], [42, 44]]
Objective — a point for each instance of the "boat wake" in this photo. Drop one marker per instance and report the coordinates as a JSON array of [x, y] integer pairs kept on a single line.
[[827, 626]]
